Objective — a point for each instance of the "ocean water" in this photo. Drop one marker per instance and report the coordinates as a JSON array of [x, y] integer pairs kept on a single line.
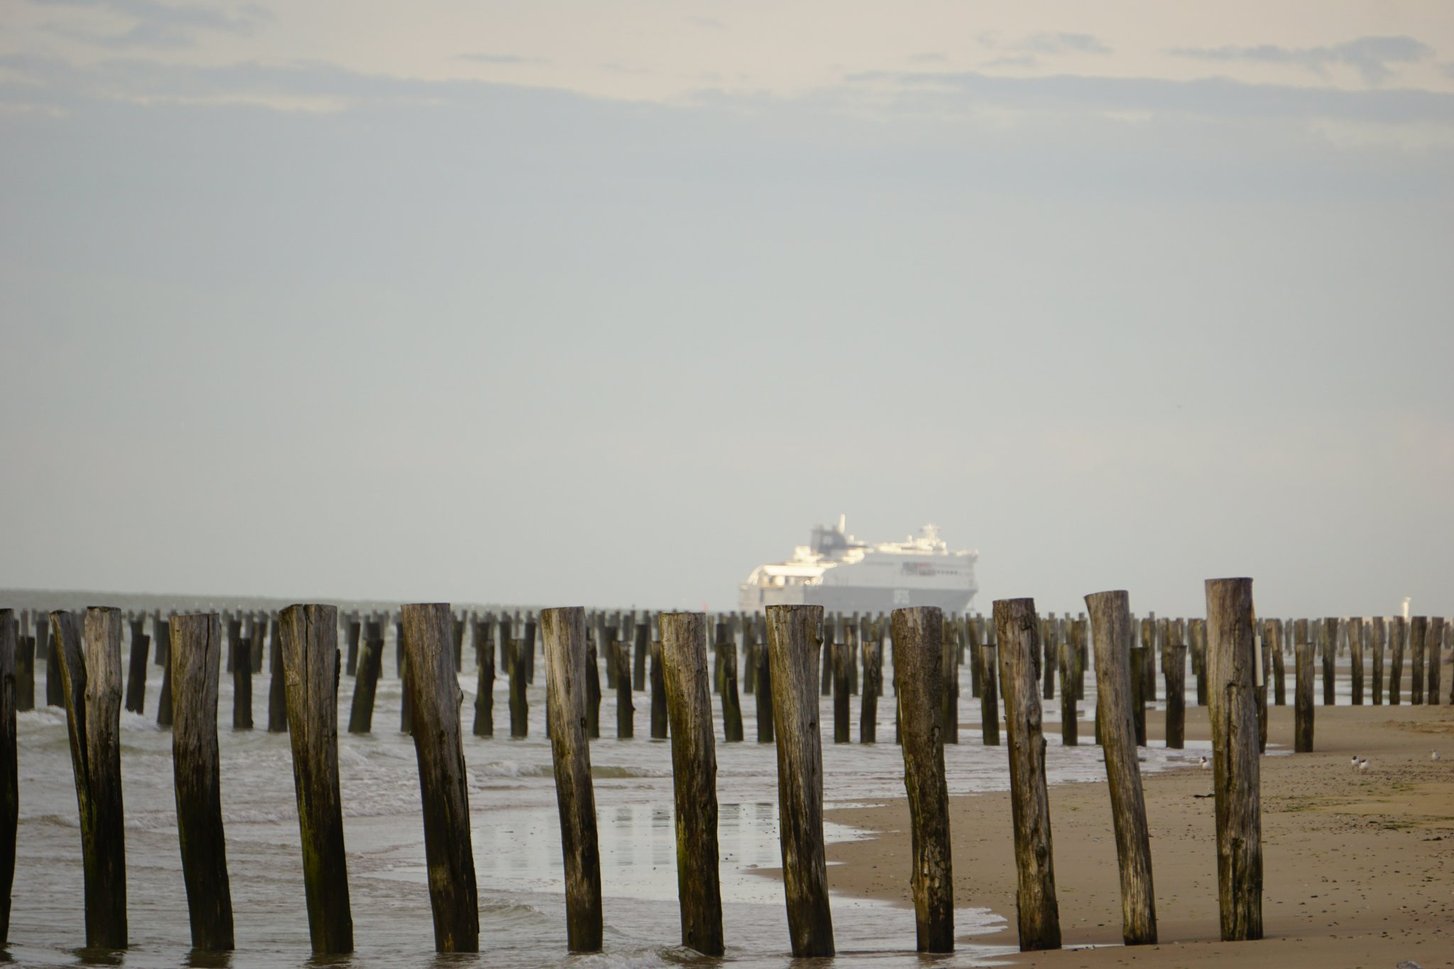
[[515, 832]]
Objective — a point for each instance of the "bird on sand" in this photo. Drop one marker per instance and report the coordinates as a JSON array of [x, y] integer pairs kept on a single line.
[[1433, 755], [1362, 763], [1354, 762], [1203, 764]]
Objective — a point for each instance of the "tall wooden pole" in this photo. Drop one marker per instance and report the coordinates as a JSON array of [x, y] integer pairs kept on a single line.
[[687, 682], [9, 770], [428, 644], [919, 682], [1111, 632], [566, 672], [195, 659], [1235, 766], [1038, 913], [307, 643], [793, 645]]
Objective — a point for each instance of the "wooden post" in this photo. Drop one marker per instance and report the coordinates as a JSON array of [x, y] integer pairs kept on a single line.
[[1235, 766], [55, 690], [1136, 661], [658, 694], [1355, 659], [1434, 642], [1112, 632], [793, 645], [9, 771], [625, 707], [1069, 718], [136, 668], [447, 847], [567, 673], [354, 629], [1376, 636], [91, 681], [1418, 635], [919, 682], [763, 696], [277, 684], [841, 711], [24, 671], [163, 639], [949, 656], [1173, 666], [519, 702], [484, 722], [1049, 658], [365, 683], [593, 691], [641, 649], [687, 684], [306, 650], [1328, 646], [873, 678], [1279, 668], [1397, 637], [1037, 911], [1303, 697], [989, 700], [731, 702], [195, 648]]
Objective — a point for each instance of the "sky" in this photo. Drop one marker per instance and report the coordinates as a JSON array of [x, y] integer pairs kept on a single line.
[[606, 303]]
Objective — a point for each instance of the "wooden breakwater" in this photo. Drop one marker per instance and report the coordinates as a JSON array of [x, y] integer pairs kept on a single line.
[[787, 656]]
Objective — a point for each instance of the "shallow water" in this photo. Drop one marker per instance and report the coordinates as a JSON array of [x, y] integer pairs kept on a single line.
[[515, 834]]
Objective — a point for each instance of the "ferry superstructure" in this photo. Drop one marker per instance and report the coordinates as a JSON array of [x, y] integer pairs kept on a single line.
[[842, 574]]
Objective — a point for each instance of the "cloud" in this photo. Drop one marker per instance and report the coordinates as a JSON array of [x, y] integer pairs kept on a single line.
[[1373, 57], [487, 58], [1057, 43], [156, 25]]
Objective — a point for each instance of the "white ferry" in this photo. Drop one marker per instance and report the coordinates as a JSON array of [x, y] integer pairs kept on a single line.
[[842, 574]]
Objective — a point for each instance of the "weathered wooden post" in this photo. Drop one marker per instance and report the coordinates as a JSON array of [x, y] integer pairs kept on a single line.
[[841, 711], [593, 691], [1036, 908], [949, 656], [1355, 659], [688, 688], [519, 702], [919, 683], [195, 648], [1398, 637], [1069, 718], [1329, 650], [793, 645], [625, 706], [484, 722], [1111, 633], [873, 678], [1136, 661], [989, 699], [9, 770], [640, 651], [355, 628], [163, 639], [91, 680], [658, 694], [24, 672], [1235, 765], [1302, 689], [277, 683], [1418, 634], [731, 702], [1434, 640], [1197, 633], [1376, 635], [365, 683], [447, 845], [1173, 667], [136, 668], [1272, 639], [55, 694], [567, 671], [763, 696], [306, 648]]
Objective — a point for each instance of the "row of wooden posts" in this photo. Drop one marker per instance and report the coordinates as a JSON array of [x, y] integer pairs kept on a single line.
[[1015, 657], [851, 665]]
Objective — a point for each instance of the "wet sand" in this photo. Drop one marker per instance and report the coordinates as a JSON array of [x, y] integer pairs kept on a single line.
[[1358, 865]]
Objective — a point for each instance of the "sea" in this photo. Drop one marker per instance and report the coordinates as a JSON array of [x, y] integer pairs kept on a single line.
[[515, 833]]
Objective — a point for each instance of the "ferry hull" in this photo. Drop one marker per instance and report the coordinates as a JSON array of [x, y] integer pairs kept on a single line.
[[854, 599]]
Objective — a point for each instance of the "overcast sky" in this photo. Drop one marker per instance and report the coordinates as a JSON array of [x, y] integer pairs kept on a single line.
[[606, 303]]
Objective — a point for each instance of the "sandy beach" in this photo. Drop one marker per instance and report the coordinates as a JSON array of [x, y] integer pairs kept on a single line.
[[1358, 865]]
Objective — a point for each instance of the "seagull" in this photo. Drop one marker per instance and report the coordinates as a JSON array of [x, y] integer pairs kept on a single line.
[[1362, 764], [1203, 763], [1354, 761], [1433, 755]]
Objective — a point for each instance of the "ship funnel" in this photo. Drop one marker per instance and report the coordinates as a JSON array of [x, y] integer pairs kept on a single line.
[[843, 523]]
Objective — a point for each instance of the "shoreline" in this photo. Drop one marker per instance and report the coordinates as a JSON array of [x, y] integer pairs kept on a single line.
[[1358, 865]]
